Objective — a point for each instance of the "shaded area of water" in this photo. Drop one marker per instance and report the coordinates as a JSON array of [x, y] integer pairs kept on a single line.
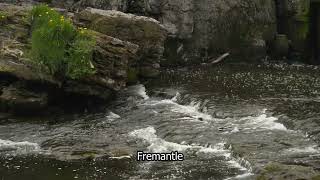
[[228, 120]]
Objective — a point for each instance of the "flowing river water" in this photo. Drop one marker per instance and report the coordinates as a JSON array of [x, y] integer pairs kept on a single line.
[[227, 120]]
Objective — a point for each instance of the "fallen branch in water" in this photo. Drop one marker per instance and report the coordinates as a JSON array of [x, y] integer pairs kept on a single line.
[[219, 59], [216, 61]]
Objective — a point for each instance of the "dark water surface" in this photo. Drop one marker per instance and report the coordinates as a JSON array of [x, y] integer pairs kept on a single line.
[[228, 120]]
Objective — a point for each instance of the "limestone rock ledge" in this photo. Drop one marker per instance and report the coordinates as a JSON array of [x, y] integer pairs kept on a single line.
[[146, 32], [24, 88]]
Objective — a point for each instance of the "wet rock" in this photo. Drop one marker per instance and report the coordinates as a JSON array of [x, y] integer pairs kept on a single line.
[[83, 90], [281, 45], [112, 58], [15, 25], [149, 72], [258, 49], [22, 101], [120, 5], [275, 171], [164, 93], [146, 32], [133, 74], [211, 28], [16, 69], [296, 23]]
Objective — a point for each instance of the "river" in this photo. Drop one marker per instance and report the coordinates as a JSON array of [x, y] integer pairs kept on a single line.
[[228, 121]]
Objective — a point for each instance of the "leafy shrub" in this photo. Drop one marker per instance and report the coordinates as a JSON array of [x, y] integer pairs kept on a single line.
[[63, 49], [80, 55]]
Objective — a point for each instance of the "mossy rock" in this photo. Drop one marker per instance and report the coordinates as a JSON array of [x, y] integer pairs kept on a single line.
[[281, 45], [19, 100], [132, 75], [25, 71], [277, 171]]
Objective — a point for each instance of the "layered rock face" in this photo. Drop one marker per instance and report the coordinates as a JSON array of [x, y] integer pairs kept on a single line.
[[201, 29], [211, 27], [146, 32], [26, 88], [293, 22], [205, 28]]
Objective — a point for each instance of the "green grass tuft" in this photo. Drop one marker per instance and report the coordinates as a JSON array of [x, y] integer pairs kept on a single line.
[[59, 46]]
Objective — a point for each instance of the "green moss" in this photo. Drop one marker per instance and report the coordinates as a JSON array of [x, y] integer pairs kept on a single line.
[[3, 17], [302, 19], [261, 177], [89, 155], [132, 75], [316, 177], [274, 167]]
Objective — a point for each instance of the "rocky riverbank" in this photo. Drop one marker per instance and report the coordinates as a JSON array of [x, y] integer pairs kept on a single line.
[[200, 30], [117, 59], [154, 34]]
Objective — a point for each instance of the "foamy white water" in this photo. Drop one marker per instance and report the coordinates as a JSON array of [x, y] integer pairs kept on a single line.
[[158, 145], [262, 122], [190, 111], [299, 150], [120, 157], [244, 176], [176, 97], [139, 90], [24, 147], [112, 116]]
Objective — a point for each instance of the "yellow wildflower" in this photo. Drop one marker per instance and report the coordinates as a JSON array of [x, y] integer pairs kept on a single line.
[[47, 12], [85, 28]]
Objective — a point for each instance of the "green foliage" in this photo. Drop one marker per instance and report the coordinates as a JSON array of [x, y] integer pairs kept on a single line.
[[3, 16], [80, 55], [59, 46]]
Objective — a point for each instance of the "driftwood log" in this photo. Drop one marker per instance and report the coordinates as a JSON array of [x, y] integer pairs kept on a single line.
[[216, 61]]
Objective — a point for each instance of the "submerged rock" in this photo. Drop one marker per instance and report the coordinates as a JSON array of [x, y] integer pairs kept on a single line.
[[22, 101], [276, 171]]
